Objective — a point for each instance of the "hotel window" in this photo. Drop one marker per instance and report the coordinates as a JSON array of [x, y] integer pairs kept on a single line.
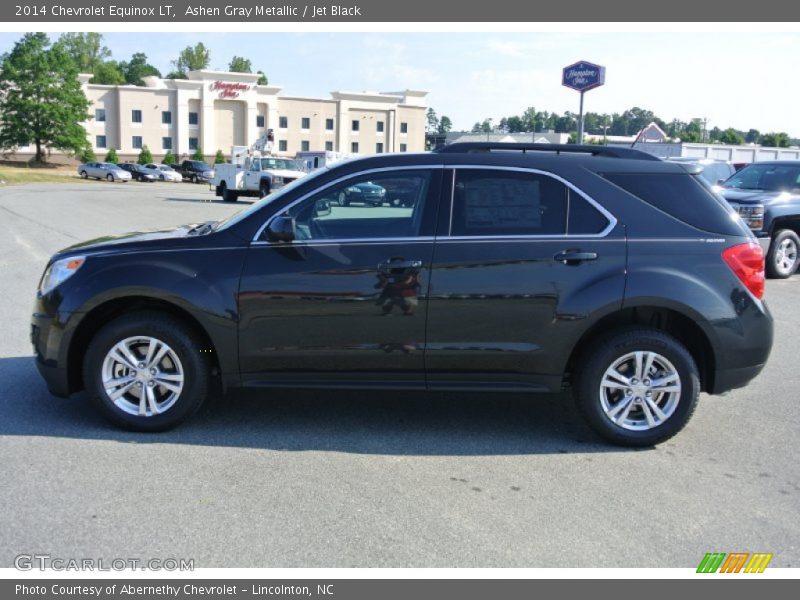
[[166, 143], [305, 123], [354, 147], [136, 142], [136, 116], [328, 124], [356, 125], [403, 148], [283, 122], [379, 148], [166, 117], [99, 114], [305, 146], [193, 143], [100, 141], [379, 125], [403, 127], [194, 118], [283, 146], [329, 146], [259, 120]]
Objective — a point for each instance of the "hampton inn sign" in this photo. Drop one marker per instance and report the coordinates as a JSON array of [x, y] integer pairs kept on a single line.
[[229, 89]]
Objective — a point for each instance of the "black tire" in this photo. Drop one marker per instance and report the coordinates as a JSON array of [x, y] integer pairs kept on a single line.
[[263, 189], [228, 195], [110, 178], [778, 266], [600, 356], [193, 178], [84, 175], [179, 338]]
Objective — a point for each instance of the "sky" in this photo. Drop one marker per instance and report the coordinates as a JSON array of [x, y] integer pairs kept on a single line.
[[739, 80]]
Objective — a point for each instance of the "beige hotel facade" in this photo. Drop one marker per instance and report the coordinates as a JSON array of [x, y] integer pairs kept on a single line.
[[214, 110]]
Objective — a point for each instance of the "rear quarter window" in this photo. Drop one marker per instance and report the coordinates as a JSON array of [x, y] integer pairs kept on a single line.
[[683, 197]]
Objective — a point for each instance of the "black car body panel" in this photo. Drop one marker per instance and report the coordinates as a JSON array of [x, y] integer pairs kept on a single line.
[[505, 312]]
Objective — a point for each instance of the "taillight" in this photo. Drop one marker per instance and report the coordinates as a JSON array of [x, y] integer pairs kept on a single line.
[[747, 262]]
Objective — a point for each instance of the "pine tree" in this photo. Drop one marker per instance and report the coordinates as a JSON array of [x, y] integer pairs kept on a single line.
[[112, 156], [169, 158], [41, 100], [145, 156], [219, 158], [198, 154]]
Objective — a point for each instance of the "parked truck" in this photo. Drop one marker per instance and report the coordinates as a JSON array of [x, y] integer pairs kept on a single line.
[[253, 171]]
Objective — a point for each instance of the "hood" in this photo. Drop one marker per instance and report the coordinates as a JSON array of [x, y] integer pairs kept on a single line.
[[757, 196], [126, 241]]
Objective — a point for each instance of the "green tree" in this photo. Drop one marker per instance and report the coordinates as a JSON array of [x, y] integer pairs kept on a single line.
[[137, 68], [752, 136], [693, 132], [85, 49], [775, 140], [111, 156], [219, 158], [108, 73], [731, 136], [41, 100], [262, 80], [145, 156], [432, 121], [445, 124], [198, 154], [191, 58], [169, 158], [239, 64], [86, 155]]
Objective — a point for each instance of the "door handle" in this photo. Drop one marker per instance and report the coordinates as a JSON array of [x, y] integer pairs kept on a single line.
[[574, 257], [400, 264]]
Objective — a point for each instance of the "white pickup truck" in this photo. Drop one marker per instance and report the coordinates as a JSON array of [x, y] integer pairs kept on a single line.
[[254, 175]]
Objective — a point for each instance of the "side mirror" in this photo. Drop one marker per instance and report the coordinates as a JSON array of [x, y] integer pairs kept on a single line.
[[322, 208], [281, 229]]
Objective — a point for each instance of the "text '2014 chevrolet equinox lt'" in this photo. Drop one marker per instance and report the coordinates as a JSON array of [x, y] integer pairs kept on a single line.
[[525, 268]]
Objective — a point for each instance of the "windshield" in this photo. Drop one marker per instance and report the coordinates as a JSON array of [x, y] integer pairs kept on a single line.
[[256, 206], [201, 165], [773, 178], [279, 163], [165, 167]]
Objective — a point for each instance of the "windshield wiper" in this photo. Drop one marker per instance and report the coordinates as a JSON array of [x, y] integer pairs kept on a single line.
[[202, 228]]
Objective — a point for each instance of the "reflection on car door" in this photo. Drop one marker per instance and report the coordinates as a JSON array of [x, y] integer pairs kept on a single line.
[[345, 302], [526, 258]]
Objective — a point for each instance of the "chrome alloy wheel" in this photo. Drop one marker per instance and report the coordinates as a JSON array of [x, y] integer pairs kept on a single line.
[[786, 255], [640, 391], [142, 376]]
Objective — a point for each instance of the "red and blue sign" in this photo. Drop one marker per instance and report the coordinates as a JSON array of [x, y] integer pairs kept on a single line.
[[583, 76]]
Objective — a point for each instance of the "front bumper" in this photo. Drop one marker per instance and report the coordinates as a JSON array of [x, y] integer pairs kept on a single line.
[[47, 338]]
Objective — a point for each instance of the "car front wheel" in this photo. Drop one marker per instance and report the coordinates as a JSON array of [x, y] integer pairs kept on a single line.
[[783, 253], [637, 387], [84, 175], [145, 372], [110, 177]]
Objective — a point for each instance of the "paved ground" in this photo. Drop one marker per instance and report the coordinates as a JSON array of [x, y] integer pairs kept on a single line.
[[320, 479]]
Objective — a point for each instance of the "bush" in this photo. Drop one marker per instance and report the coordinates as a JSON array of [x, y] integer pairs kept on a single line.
[[145, 156], [169, 158], [198, 155], [112, 156], [87, 155], [219, 158]]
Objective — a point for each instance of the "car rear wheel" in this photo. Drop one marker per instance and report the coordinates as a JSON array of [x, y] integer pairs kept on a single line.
[[228, 195], [145, 372], [637, 387], [783, 254]]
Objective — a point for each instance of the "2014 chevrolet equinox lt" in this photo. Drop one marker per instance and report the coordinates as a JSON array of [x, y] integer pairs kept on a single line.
[[525, 268]]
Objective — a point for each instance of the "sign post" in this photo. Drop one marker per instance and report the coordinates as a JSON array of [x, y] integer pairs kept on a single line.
[[583, 76]]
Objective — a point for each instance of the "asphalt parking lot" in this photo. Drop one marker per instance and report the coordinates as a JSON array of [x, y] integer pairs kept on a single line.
[[320, 479]]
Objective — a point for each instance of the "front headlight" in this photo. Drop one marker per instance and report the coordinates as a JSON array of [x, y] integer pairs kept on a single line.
[[59, 272]]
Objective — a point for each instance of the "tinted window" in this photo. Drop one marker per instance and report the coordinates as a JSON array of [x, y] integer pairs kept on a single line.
[[488, 203], [681, 196], [369, 206], [584, 219], [766, 176]]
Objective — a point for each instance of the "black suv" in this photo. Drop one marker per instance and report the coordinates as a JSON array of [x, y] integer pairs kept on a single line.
[[524, 268], [196, 171]]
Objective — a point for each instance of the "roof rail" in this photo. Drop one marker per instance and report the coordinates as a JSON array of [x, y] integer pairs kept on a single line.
[[604, 151]]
